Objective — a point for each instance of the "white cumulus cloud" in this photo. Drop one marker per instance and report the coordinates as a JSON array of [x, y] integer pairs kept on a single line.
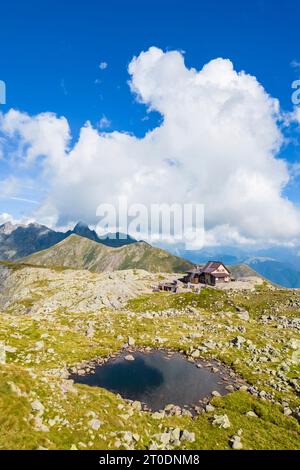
[[218, 145]]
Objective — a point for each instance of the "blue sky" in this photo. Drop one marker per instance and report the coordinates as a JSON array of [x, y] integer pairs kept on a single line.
[[50, 54], [50, 51]]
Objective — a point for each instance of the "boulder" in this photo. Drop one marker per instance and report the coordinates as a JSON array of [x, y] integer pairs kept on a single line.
[[236, 442], [251, 414], [36, 405], [158, 415], [238, 341], [131, 341], [222, 421], [129, 357], [209, 408], [187, 436], [244, 315], [2, 354], [39, 345], [195, 354], [94, 424], [165, 438]]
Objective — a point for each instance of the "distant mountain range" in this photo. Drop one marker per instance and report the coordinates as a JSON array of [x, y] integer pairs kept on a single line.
[[82, 248], [22, 240], [280, 265], [115, 240], [283, 274], [18, 241]]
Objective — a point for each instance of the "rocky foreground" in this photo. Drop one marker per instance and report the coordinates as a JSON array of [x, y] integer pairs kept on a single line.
[[57, 321]]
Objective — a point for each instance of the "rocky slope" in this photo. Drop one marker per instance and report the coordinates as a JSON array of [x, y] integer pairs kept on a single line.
[[241, 271], [39, 291], [81, 253]]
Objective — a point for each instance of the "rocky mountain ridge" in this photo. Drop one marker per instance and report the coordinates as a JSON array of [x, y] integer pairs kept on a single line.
[[17, 241], [81, 253]]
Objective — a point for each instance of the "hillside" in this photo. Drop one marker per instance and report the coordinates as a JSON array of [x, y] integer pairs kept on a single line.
[[241, 271], [81, 253]]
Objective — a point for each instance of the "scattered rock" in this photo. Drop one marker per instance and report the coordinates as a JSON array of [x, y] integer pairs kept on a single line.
[[195, 354], [94, 424], [127, 436], [165, 438], [158, 415], [90, 332], [221, 421], [15, 389], [160, 340], [39, 425], [129, 357], [209, 408], [175, 435], [187, 436], [36, 405], [251, 414], [294, 344], [136, 405], [244, 315], [153, 446], [238, 341], [131, 341], [39, 345], [210, 344], [287, 411], [236, 442], [2, 353], [10, 349]]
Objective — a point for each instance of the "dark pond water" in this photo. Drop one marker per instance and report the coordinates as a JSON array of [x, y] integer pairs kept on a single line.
[[155, 379]]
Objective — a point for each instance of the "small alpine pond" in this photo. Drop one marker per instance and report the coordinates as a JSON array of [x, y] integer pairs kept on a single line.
[[156, 379]]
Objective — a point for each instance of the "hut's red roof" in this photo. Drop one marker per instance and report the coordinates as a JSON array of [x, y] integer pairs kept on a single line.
[[212, 266]]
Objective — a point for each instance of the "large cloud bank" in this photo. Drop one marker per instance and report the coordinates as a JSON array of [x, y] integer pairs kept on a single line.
[[217, 145]]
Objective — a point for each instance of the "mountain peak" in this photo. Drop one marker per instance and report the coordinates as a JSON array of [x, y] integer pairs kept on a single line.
[[7, 228], [115, 240], [81, 228], [81, 225]]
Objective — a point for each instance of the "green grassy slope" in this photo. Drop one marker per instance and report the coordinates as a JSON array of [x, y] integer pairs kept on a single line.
[[81, 253], [242, 270]]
